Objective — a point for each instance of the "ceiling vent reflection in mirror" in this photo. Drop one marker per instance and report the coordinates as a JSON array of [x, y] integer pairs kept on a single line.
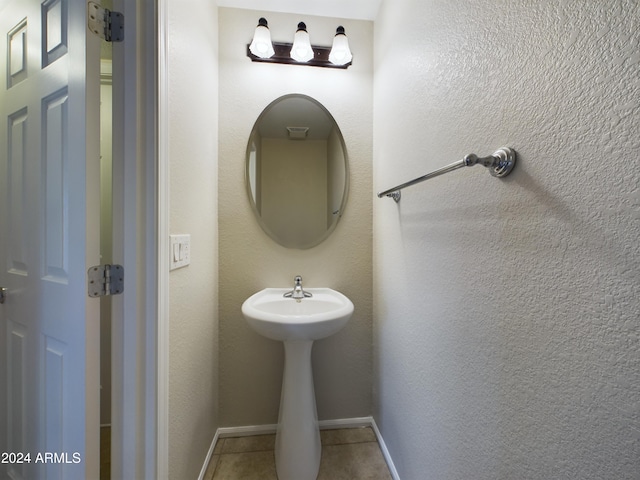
[[300, 52], [297, 133]]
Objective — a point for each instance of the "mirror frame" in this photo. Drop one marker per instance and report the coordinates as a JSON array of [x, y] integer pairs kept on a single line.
[[345, 193]]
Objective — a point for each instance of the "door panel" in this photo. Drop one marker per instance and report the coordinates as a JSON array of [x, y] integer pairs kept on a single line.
[[49, 187]]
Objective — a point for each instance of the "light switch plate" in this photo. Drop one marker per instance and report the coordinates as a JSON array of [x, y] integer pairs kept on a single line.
[[179, 251]]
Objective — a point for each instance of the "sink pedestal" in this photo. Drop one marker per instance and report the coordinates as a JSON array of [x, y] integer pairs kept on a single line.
[[297, 322], [298, 446]]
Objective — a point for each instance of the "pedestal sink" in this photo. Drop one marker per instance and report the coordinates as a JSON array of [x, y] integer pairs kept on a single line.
[[297, 323]]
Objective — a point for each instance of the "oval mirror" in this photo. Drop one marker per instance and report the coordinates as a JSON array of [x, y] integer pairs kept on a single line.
[[297, 173]]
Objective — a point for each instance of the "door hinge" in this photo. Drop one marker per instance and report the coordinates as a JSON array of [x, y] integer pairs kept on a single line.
[[106, 24], [105, 280]]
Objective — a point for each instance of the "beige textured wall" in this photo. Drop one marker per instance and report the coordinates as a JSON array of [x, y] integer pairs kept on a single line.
[[193, 120], [507, 331], [250, 365]]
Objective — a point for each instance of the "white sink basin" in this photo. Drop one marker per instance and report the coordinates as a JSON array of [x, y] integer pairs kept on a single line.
[[285, 319]]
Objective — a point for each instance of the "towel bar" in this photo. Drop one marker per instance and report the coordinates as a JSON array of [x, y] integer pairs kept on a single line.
[[499, 164]]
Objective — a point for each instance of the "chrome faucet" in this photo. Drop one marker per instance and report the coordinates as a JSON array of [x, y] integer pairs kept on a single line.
[[298, 293]]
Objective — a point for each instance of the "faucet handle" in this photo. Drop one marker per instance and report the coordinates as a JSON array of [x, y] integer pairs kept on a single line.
[[298, 293]]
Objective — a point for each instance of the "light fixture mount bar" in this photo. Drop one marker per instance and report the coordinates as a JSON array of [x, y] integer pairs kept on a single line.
[[320, 56]]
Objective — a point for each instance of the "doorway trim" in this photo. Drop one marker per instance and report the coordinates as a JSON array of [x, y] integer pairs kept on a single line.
[[162, 434], [140, 399]]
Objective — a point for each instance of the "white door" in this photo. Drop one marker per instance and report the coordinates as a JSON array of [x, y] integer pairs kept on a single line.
[[49, 236]]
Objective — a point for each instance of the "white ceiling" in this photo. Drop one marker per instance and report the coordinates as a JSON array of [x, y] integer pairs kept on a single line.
[[356, 9]]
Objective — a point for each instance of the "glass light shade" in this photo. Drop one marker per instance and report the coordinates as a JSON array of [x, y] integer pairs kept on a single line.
[[340, 51], [261, 45], [301, 50]]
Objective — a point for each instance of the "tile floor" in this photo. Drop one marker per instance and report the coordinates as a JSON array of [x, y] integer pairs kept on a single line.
[[347, 454]]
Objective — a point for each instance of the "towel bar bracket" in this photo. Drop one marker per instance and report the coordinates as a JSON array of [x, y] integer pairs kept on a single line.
[[500, 163], [395, 195]]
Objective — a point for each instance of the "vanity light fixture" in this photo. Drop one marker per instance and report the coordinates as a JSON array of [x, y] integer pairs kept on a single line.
[[261, 45], [301, 52]]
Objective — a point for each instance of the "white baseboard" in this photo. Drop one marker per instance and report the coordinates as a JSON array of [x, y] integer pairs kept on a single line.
[[385, 451], [247, 431], [203, 470], [250, 430], [345, 423]]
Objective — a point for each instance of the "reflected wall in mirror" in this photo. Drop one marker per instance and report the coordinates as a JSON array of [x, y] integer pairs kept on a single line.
[[297, 173]]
